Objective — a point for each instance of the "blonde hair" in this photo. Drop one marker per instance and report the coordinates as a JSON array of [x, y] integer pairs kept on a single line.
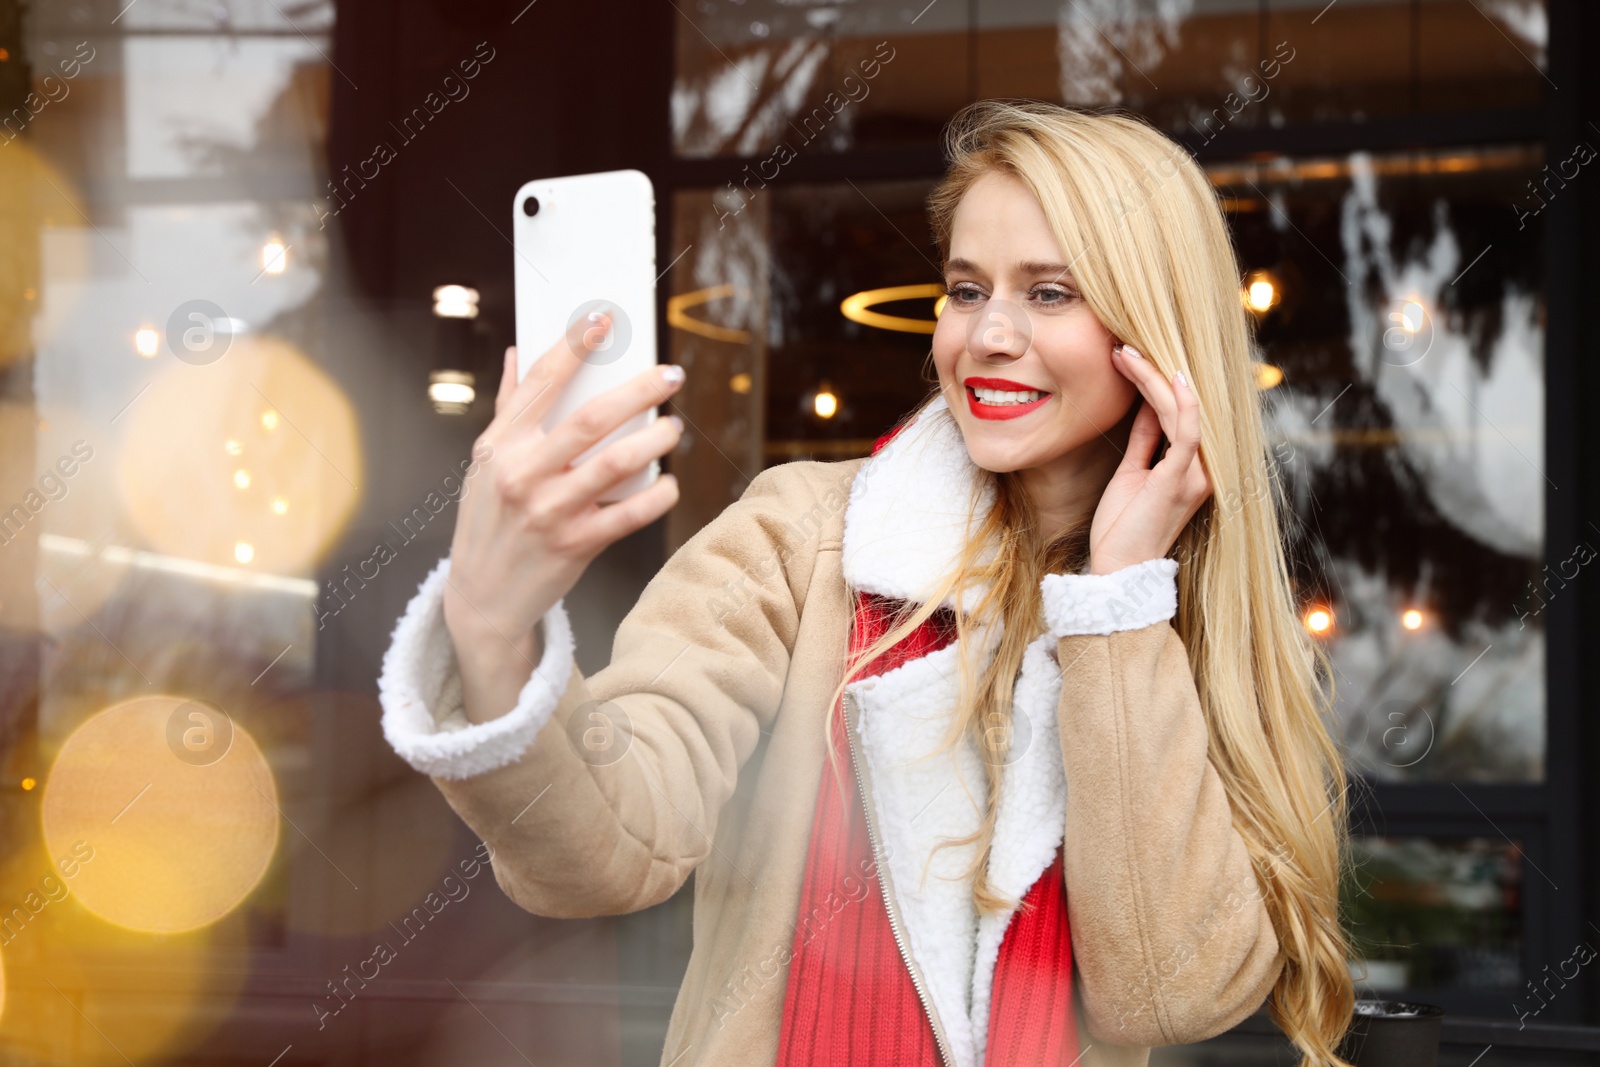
[[1144, 229]]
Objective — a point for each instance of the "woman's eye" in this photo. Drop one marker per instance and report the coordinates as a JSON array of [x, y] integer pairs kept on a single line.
[[957, 292], [1052, 295]]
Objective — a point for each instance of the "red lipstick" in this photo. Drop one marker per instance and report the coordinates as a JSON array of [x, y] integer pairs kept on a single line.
[[1000, 411]]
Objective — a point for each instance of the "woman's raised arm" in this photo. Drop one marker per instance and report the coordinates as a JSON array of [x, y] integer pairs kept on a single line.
[[600, 795]]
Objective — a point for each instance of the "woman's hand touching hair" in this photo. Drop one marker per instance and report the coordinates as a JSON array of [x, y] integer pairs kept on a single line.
[[525, 534], [1145, 508]]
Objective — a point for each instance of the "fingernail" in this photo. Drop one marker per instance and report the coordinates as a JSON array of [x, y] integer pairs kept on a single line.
[[676, 420], [1131, 351], [1180, 379], [672, 374]]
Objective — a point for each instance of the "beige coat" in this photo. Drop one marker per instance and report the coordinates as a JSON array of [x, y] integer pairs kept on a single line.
[[700, 747]]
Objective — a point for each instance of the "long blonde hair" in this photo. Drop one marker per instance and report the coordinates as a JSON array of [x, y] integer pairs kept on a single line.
[[1144, 230]]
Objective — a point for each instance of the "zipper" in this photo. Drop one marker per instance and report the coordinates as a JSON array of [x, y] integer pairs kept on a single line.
[[946, 1057]]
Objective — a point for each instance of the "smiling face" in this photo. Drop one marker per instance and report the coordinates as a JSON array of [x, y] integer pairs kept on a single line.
[[1023, 362]]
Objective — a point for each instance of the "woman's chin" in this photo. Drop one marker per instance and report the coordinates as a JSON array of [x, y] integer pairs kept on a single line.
[[996, 460]]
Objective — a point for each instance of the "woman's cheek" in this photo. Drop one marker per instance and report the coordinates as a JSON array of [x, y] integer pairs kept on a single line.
[[948, 342]]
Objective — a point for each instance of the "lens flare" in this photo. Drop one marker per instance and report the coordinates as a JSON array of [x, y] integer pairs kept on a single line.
[[180, 838], [261, 424]]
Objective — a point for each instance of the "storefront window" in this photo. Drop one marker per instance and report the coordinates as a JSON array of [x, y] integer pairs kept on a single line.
[[756, 74]]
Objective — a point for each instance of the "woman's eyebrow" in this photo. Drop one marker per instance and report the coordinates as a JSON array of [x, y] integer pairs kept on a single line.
[[1059, 271]]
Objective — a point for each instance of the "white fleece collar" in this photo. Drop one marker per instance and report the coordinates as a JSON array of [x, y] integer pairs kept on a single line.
[[905, 525], [919, 801], [908, 513]]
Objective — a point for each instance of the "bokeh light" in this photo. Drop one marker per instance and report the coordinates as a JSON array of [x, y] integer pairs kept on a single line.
[[263, 409], [180, 838], [74, 515], [82, 992]]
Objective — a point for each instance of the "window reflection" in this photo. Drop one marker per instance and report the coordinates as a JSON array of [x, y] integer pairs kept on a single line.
[[1436, 914], [1409, 329], [749, 71]]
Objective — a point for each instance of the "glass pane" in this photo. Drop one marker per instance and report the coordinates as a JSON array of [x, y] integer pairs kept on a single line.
[[791, 375], [1403, 306], [767, 78], [753, 74], [1431, 915]]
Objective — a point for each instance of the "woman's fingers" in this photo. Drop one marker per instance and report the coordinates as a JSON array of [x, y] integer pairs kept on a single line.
[[576, 433], [537, 392], [1183, 448], [1157, 391], [1177, 411], [1143, 438], [612, 522], [508, 380], [617, 461]]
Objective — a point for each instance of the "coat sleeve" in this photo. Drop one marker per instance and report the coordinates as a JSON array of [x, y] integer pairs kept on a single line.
[[1170, 932], [599, 795]]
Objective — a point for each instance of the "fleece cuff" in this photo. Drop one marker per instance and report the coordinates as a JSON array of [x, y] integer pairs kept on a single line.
[[1126, 599], [420, 691]]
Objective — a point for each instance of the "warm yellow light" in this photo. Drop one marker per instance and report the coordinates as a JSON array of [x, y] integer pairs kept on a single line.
[[243, 551], [318, 469], [455, 302], [678, 316], [146, 342], [274, 257], [858, 307], [28, 784], [1260, 292], [241, 478], [1319, 620], [741, 383], [177, 803], [1267, 375], [826, 404], [1411, 619], [280, 506]]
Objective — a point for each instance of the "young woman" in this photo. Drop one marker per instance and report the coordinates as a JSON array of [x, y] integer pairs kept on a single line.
[[1000, 746]]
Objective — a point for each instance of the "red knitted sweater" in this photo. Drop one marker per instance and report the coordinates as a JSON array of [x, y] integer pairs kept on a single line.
[[850, 998]]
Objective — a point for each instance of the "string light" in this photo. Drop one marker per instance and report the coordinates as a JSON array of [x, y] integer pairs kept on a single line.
[[1261, 292], [826, 402]]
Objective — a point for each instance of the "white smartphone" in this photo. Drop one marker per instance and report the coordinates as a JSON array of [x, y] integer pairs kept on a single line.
[[583, 243]]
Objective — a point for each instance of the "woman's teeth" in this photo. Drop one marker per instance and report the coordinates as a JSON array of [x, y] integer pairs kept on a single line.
[[996, 397]]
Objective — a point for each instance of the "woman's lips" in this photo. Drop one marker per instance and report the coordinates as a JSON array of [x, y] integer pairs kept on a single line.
[[1000, 411]]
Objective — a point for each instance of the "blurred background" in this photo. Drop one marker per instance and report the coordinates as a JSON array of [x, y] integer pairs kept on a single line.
[[255, 280]]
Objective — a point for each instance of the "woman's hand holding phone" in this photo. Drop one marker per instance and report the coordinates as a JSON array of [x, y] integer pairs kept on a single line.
[[525, 534]]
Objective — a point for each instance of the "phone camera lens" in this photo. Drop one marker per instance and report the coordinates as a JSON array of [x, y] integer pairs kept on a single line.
[[530, 206]]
